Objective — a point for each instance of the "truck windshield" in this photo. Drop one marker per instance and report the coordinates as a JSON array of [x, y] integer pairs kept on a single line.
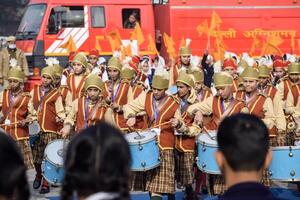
[[31, 22]]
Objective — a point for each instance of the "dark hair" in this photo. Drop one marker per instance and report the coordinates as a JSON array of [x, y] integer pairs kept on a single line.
[[13, 181], [244, 141], [97, 160]]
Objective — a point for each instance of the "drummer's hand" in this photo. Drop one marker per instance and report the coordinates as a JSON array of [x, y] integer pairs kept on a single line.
[[116, 107], [174, 122], [198, 118], [131, 121], [65, 131], [22, 123]]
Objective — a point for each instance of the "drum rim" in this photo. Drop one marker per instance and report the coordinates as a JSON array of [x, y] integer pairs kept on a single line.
[[286, 180], [141, 142], [56, 184], [207, 144], [145, 169], [45, 155], [209, 171], [285, 148]]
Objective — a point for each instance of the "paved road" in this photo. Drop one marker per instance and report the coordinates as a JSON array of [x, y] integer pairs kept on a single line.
[[55, 190]]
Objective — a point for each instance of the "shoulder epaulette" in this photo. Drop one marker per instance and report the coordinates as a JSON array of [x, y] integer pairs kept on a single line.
[[26, 94]]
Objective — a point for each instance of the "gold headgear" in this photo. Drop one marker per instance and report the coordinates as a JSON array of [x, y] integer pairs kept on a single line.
[[16, 74], [81, 59], [222, 79], [250, 73], [294, 68], [185, 78], [114, 63], [94, 80]]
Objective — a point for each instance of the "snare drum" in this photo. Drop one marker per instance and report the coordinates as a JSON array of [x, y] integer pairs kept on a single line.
[[207, 146], [53, 170], [144, 150], [285, 163]]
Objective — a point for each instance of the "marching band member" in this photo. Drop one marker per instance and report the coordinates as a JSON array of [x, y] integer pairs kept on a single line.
[[47, 102], [119, 92], [75, 80], [88, 109], [265, 87], [185, 131], [220, 106], [202, 92], [292, 107], [16, 113], [184, 63], [160, 109]]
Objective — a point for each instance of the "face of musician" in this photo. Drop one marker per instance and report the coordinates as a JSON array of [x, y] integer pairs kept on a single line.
[[14, 85], [279, 72], [250, 85], [93, 93], [263, 81], [224, 92], [294, 77], [78, 68], [93, 59], [198, 86], [185, 59], [113, 73], [158, 93], [46, 81], [183, 90]]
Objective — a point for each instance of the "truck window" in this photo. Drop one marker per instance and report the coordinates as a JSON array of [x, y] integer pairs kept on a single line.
[[131, 16], [98, 16], [73, 17]]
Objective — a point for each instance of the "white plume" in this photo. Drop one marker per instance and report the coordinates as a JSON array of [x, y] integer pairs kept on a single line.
[[250, 61], [217, 66], [51, 61], [188, 41], [101, 60], [195, 60], [161, 71], [240, 70], [161, 61], [13, 62], [244, 56]]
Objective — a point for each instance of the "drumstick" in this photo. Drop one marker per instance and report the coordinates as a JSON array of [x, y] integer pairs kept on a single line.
[[26, 121], [158, 125]]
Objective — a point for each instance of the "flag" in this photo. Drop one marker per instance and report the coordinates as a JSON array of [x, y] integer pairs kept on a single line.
[[215, 22], [152, 45], [69, 45], [169, 44], [220, 47], [115, 40], [137, 34], [255, 44], [97, 43], [271, 45], [293, 44], [203, 28]]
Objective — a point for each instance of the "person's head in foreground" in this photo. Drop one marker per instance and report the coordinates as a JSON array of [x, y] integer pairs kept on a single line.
[[13, 181], [243, 154], [97, 165]]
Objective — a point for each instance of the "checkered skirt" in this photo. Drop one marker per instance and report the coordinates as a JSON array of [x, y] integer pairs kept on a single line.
[[184, 167], [162, 178]]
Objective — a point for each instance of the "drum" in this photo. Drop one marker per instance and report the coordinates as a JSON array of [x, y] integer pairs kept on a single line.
[[285, 163], [53, 170], [34, 128], [207, 146], [144, 150]]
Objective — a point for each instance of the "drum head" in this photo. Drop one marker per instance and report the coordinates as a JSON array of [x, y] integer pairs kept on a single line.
[[34, 128], [55, 151], [208, 138], [140, 137]]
